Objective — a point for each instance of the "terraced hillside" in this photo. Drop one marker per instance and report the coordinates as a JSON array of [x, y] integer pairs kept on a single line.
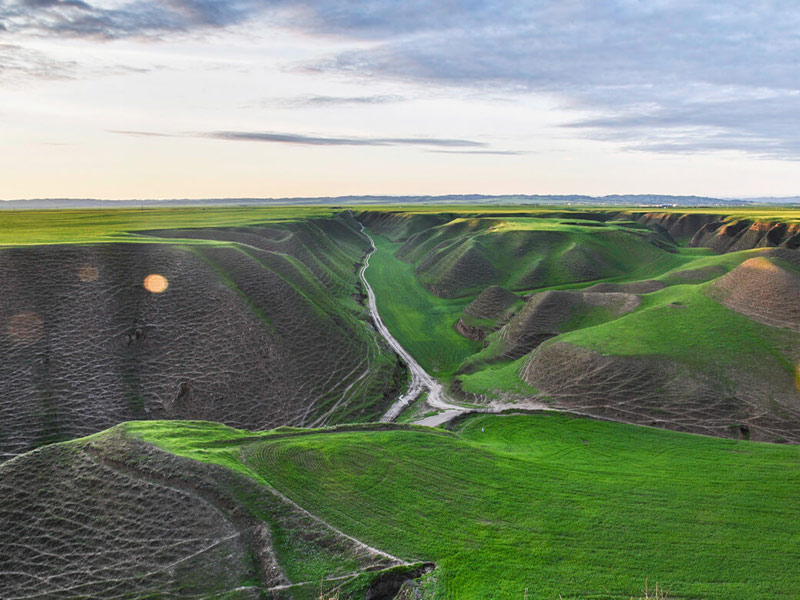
[[610, 317], [259, 327], [537, 506]]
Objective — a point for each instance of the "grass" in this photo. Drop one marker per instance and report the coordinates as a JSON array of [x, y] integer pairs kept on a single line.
[[684, 324], [497, 380], [83, 226], [26, 227], [421, 322], [464, 256], [561, 506], [680, 322]]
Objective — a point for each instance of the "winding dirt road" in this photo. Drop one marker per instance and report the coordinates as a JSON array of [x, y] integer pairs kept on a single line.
[[421, 381]]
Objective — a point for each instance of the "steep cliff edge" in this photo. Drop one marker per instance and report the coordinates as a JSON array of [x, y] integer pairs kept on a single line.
[[722, 233]]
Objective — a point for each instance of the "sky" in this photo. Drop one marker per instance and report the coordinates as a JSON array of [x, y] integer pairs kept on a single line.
[[276, 98]]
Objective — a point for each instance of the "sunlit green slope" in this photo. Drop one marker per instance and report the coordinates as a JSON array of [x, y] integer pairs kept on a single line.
[[555, 505]]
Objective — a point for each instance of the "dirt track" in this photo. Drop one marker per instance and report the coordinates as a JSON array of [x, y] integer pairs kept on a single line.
[[420, 380]]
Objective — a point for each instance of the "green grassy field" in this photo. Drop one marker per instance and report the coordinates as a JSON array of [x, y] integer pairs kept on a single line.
[[558, 506], [514, 506], [81, 226], [420, 321], [668, 324], [24, 227]]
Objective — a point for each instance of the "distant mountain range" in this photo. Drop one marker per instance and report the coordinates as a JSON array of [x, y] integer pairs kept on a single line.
[[649, 200]]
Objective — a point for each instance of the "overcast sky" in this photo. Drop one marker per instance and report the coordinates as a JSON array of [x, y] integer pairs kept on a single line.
[[204, 98]]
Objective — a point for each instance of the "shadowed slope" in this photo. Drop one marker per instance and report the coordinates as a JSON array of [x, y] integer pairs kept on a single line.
[[246, 336], [114, 517], [465, 256], [684, 362], [399, 226], [765, 288], [487, 313], [76, 528]]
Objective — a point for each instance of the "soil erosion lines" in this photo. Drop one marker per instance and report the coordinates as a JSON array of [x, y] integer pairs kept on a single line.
[[420, 380]]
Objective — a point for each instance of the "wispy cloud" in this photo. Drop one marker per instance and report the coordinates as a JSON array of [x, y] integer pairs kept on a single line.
[[309, 140], [19, 63], [140, 133], [306, 140], [315, 101], [497, 152], [138, 18]]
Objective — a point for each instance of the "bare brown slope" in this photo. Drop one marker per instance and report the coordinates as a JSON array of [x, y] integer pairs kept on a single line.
[[84, 346], [663, 393], [764, 288], [742, 234], [114, 517], [679, 226], [487, 313], [548, 314]]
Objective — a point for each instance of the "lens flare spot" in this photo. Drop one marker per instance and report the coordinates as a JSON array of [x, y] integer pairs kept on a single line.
[[88, 274], [26, 328], [156, 283]]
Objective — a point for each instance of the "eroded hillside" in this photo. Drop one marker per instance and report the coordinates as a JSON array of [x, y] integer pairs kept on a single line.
[[638, 317], [258, 327], [540, 505]]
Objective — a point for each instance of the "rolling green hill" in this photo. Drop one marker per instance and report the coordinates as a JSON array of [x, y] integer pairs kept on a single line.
[[282, 486], [618, 321], [543, 506]]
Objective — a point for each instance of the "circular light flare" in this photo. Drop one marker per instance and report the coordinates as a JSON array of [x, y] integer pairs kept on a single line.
[[88, 274], [155, 283], [26, 328]]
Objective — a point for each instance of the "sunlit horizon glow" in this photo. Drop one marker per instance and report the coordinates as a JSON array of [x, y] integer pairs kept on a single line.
[[267, 98]]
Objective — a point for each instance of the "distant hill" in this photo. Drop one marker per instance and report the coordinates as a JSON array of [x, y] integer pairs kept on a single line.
[[656, 200], [774, 200]]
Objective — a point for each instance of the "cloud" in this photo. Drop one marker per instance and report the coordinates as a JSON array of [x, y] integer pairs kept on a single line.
[[759, 125], [656, 75], [139, 18], [328, 101], [18, 63], [140, 133], [306, 140], [497, 152], [661, 76]]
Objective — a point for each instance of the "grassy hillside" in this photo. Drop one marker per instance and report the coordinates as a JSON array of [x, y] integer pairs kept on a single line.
[[617, 320], [603, 312], [464, 256], [551, 504], [684, 360]]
